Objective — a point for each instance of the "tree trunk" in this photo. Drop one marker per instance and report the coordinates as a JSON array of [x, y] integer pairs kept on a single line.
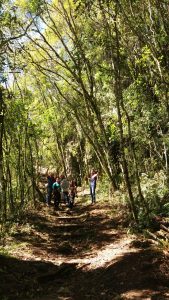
[[119, 100], [2, 179]]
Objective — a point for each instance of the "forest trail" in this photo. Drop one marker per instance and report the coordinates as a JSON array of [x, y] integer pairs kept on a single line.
[[85, 254]]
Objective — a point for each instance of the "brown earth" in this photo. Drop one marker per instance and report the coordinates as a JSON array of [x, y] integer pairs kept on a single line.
[[81, 254]]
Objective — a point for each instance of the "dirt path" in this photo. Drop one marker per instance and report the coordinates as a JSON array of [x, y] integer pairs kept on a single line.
[[83, 254]]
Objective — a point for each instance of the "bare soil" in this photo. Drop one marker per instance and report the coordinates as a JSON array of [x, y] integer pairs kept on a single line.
[[81, 254]]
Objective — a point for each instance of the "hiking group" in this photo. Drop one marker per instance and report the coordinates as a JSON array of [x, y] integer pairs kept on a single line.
[[60, 188]]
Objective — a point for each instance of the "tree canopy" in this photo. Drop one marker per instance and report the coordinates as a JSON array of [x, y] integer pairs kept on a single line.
[[84, 84]]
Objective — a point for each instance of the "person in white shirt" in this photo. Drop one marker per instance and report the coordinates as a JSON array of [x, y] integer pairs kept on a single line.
[[92, 182], [64, 184]]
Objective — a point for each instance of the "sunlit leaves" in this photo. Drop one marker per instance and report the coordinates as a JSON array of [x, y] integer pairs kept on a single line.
[[30, 6]]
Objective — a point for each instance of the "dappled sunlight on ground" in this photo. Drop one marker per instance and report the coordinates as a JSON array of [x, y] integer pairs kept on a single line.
[[107, 254], [144, 294], [80, 254]]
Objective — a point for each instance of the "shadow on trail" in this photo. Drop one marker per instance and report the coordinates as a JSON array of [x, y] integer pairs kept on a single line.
[[143, 271], [64, 235], [70, 233], [25, 279]]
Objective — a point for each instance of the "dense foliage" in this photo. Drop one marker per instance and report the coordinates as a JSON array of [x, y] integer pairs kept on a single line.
[[85, 84]]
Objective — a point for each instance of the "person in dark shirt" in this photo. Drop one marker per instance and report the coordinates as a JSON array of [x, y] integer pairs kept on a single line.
[[50, 181]]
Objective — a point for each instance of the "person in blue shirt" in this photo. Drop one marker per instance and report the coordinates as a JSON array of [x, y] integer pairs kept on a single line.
[[56, 193], [92, 182]]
